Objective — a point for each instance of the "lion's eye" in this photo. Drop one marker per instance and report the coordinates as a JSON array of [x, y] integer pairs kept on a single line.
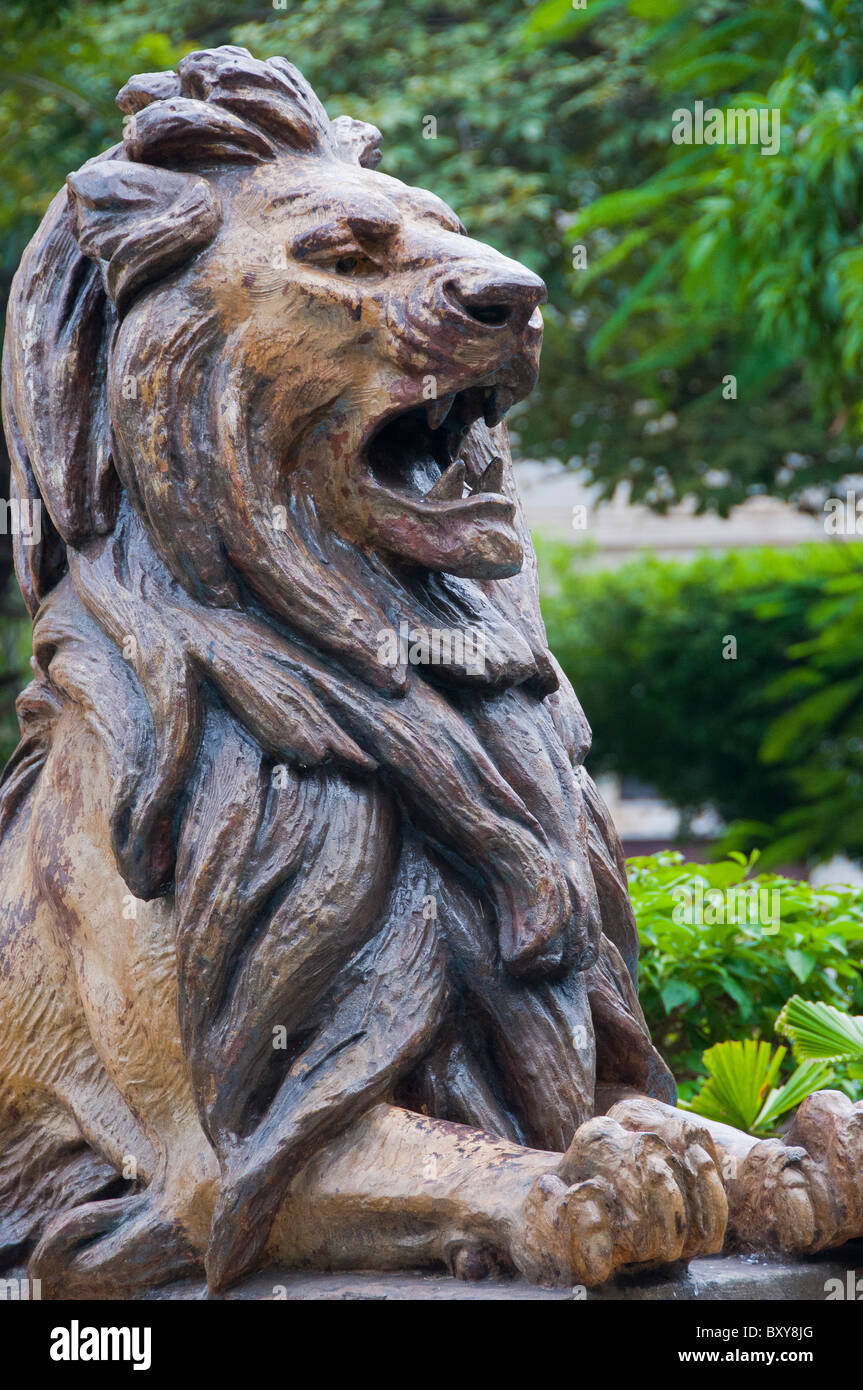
[[355, 265]]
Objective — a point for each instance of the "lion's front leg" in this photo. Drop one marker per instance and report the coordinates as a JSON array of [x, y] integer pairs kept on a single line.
[[795, 1196], [400, 1189]]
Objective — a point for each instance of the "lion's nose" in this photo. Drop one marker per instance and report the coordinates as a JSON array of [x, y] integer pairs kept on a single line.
[[494, 302]]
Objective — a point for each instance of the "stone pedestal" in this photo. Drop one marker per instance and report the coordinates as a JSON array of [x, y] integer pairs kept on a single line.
[[718, 1279]]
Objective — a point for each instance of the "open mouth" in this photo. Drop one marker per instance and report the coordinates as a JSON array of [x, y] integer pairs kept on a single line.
[[430, 451], [432, 490]]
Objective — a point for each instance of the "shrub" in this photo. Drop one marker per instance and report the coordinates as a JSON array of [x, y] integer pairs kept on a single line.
[[816, 742], [769, 729], [705, 984]]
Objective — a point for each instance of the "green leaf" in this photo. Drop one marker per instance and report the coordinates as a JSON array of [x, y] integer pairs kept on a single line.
[[677, 993], [809, 1077], [820, 1031], [801, 962], [809, 714], [740, 1075], [557, 18]]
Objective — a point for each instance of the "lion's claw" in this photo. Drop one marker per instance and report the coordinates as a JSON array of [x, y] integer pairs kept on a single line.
[[805, 1194], [830, 1128], [622, 1197]]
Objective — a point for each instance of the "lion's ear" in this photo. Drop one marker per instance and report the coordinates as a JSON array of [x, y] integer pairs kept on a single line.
[[146, 87], [356, 141], [138, 222]]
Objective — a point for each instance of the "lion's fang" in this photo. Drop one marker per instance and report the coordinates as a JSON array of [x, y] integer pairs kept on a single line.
[[449, 485], [438, 410], [494, 409], [492, 478]]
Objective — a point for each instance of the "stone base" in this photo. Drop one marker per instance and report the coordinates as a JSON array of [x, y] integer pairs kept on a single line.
[[717, 1279], [720, 1278]]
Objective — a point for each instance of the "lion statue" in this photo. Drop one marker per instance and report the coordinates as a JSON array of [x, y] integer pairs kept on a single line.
[[316, 950]]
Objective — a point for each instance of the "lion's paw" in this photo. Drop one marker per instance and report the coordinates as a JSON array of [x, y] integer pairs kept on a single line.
[[805, 1194], [125, 1243], [621, 1197]]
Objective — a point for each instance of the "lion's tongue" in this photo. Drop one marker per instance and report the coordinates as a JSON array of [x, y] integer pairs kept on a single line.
[[421, 470]]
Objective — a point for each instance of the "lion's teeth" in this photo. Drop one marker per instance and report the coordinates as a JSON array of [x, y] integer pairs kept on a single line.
[[449, 485], [492, 478], [494, 409], [437, 411]]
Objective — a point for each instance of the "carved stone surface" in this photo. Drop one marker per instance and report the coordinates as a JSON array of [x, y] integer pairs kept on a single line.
[[316, 944]]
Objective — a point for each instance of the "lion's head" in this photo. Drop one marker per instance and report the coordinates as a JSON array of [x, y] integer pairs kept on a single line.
[[378, 335], [294, 344]]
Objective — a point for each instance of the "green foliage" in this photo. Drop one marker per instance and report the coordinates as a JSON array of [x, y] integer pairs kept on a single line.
[[707, 983], [820, 1031], [741, 1087], [708, 260], [772, 739], [815, 739]]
